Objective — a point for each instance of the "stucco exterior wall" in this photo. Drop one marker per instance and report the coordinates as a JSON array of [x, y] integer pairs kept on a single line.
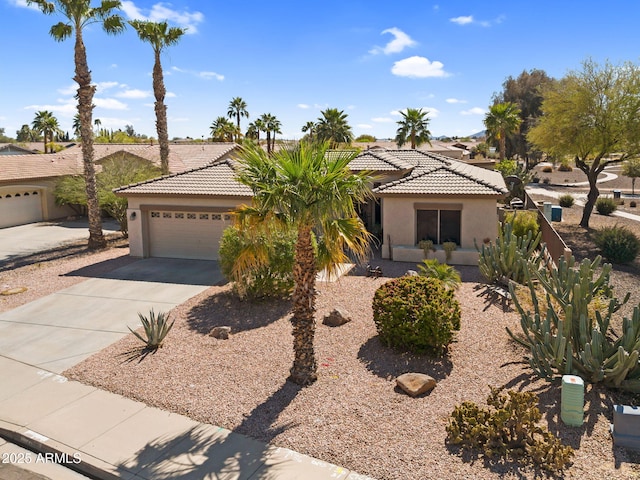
[[478, 219], [139, 206]]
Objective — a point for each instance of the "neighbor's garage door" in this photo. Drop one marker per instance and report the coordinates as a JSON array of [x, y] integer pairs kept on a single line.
[[176, 234], [18, 207]]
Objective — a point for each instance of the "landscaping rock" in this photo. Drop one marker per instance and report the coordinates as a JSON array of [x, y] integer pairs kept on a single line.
[[221, 333], [13, 291], [415, 383], [336, 318], [411, 273]]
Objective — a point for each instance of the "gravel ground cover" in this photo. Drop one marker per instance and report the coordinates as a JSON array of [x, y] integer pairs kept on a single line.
[[353, 415]]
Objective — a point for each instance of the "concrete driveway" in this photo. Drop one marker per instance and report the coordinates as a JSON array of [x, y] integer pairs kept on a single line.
[[37, 237], [60, 330]]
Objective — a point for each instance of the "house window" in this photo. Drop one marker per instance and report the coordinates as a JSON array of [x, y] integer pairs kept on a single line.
[[191, 216], [155, 214], [216, 216], [227, 218], [179, 215], [204, 216], [439, 226], [166, 214]]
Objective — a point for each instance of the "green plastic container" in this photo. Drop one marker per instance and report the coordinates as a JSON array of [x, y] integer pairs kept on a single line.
[[572, 400]]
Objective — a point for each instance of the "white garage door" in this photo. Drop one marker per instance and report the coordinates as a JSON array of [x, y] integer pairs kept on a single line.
[[19, 206], [176, 234]]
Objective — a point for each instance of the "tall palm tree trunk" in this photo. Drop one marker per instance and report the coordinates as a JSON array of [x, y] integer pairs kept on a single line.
[[161, 114], [303, 371], [85, 109]]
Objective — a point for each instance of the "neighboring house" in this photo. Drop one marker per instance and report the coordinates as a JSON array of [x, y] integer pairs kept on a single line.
[[13, 149], [27, 181], [420, 195]]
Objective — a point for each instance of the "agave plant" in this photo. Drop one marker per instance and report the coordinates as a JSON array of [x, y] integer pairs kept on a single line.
[[156, 327], [443, 272]]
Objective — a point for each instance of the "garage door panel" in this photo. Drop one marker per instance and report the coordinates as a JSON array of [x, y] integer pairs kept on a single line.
[[18, 207], [176, 234]]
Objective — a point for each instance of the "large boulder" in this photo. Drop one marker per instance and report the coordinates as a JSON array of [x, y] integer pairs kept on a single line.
[[415, 384], [336, 318]]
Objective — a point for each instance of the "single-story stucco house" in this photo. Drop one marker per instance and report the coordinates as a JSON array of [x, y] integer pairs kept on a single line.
[[419, 195], [27, 180]]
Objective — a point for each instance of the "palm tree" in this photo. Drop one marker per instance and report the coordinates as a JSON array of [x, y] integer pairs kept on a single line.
[[46, 124], [237, 108], [314, 193], [80, 14], [222, 130], [309, 127], [502, 120], [160, 36], [333, 127], [414, 126], [270, 124]]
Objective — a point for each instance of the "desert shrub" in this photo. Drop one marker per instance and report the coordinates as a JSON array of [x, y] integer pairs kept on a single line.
[[508, 429], [632, 204], [417, 314], [617, 244], [547, 169], [426, 246], [155, 328], [566, 201], [605, 205], [565, 167], [274, 277], [448, 275], [448, 248], [523, 222], [546, 180], [535, 179], [507, 167]]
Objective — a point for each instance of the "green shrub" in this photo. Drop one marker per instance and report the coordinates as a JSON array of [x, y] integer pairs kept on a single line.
[[523, 222], [617, 244], [606, 206], [156, 328], [448, 275], [448, 248], [416, 314], [507, 167], [566, 201], [426, 246], [508, 429], [272, 279]]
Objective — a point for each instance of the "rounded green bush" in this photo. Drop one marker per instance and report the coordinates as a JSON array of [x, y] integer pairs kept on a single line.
[[606, 206], [617, 244], [416, 314], [566, 201], [523, 221]]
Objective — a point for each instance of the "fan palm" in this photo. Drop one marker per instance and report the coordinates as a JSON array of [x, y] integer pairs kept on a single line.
[[315, 193], [309, 128], [270, 124], [237, 108], [46, 124], [502, 120], [333, 127], [414, 127], [222, 130], [80, 14], [160, 36]]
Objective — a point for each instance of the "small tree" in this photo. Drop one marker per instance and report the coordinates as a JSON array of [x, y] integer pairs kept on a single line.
[[631, 169]]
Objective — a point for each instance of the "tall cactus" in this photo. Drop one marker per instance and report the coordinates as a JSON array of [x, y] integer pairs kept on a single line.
[[502, 260], [574, 338]]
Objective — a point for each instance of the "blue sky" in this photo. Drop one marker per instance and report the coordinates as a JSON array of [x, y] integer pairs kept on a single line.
[[293, 59]]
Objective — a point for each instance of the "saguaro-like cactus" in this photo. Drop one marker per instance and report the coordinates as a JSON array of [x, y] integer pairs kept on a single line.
[[573, 336]]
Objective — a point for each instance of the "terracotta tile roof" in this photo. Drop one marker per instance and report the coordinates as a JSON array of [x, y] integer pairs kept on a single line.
[[447, 178], [379, 161], [217, 180], [69, 161]]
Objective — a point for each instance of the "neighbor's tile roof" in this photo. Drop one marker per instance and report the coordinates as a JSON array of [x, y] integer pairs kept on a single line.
[[218, 179], [69, 161], [379, 161]]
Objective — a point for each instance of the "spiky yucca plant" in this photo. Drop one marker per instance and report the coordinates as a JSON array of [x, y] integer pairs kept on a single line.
[[156, 327]]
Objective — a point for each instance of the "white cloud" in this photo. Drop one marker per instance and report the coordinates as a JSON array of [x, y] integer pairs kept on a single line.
[[67, 107], [455, 100], [134, 93], [205, 75], [109, 104], [418, 67], [23, 4], [395, 113], [103, 86], [431, 112], [70, 90], [467, 20], [382, 119], [351, 107], [161, 12], [304, 106], [364, 126], [463, 20], [400, 41], [170, 95], [473, 111]]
